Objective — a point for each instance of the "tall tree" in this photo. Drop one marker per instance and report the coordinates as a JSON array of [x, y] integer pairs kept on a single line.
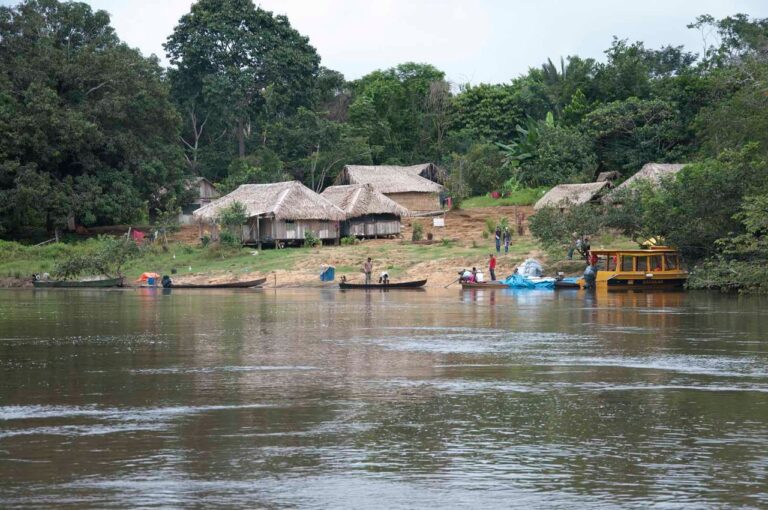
[[87, 130], [240, 64]]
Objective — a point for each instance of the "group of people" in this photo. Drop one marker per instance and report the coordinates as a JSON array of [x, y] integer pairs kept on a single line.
[[475, 276], [502, 236], [368, 271]]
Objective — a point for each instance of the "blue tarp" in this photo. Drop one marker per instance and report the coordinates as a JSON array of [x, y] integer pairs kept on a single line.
[[517, 281], [328, 274]]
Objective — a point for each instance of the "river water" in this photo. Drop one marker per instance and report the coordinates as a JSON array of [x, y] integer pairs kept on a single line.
[[328, 399]]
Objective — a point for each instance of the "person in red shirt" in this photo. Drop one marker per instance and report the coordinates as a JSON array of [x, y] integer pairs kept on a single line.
[[492, 266]]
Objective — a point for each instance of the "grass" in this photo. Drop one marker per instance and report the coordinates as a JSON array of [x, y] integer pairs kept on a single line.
[[525, 196]]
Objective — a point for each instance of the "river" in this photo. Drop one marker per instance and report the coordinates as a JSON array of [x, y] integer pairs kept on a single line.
[[328, 399]]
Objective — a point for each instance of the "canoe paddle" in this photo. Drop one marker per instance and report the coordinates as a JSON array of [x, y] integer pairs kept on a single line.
[[454, 281]]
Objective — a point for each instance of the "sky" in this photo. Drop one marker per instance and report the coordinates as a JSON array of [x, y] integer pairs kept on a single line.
[[472, 41]]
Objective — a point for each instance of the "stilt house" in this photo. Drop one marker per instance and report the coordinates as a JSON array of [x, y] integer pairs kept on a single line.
[[279, 212], [369, 213]]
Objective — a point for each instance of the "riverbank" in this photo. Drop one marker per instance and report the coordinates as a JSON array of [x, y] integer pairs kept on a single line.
[[460, 244]]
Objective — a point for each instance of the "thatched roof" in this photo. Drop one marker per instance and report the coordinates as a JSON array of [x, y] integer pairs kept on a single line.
[[571, 194], [361, 199], [394, 179], [652, 172], [282, 200]]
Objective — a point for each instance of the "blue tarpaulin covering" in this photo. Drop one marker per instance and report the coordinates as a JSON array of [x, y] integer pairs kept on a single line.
[[517, 281], [328, 274]]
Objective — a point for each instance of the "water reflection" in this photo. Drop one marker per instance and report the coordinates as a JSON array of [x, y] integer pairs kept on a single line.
[[321, 398]]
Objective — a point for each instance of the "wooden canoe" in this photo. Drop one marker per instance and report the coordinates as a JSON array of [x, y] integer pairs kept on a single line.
[[394, 285], [484, 285], [229, 285], [79, 284]]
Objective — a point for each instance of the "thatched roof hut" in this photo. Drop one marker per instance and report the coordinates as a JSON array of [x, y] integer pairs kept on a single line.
[[653, 173], [392, 179], [565, 195], [415, 187], [362, 199], [282, 200]]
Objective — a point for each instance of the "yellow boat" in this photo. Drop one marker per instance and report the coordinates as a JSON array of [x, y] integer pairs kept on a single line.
[[657, 267]]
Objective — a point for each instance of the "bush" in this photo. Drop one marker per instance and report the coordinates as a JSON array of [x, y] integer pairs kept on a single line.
[[490, 225], [349, 240], [311, 240], [418, 231], [227, 238], [205, 241]]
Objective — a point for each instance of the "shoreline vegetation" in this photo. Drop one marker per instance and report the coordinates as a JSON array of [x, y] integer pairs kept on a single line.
[[93, 133]]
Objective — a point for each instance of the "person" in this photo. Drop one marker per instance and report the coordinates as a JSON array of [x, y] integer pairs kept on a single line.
[[471, 277], [575, 245], [585, 247], [368, 269], [465, 275], [167, 282], [492, 267], [498, 239], [507, 239], [384, 278], [478, 276]]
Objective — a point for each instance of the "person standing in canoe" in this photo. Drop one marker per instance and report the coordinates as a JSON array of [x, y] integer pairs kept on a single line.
[[492, 267], [368, 269]]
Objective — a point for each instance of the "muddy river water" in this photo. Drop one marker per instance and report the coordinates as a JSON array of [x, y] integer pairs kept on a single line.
[[328, 399]]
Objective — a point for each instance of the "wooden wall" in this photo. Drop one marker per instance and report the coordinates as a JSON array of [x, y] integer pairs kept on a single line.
[[379, 225], [417, 202], [284, 230]]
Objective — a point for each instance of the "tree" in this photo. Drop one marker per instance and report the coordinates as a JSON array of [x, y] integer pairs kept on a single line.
[[632, 132], [241, 64], [87, 131]]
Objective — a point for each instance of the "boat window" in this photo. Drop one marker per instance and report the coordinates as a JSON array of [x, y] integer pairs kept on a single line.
[[642, 264], [670, 261], [627, 263], [612, 262], [655, 263], [602, 261]]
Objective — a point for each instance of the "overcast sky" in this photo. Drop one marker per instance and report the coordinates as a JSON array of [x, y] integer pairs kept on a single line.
[[489, 41]]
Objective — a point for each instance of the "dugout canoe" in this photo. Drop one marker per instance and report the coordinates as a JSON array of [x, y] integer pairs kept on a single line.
[[394, 285], [229, 285], [78, 284]]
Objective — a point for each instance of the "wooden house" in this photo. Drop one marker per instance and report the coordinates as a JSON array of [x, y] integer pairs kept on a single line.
[[204, 193], [280, 212], [368, 212], [416, 187], [564, 196]]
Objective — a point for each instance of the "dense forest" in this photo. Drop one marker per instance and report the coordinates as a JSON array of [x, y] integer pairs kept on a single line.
[[95, 132]]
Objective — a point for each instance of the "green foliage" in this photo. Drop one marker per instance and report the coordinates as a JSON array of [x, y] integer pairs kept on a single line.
[[349, 241], [521, 196], [555, 229], [233, 217], [85, 121], [418, 231], [237, 64], [228, 238], [481, 168], [108, 259], [311, 240], [629, 133]]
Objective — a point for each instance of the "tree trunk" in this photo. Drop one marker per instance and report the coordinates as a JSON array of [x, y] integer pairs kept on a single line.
[[241, 138]]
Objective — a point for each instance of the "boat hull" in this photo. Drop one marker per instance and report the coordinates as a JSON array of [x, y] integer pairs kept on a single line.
[[73, 284], [399, 285], [231, 285], [486, 285]]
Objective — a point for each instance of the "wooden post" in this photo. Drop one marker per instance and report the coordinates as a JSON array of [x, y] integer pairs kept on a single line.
[[258, 233]]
